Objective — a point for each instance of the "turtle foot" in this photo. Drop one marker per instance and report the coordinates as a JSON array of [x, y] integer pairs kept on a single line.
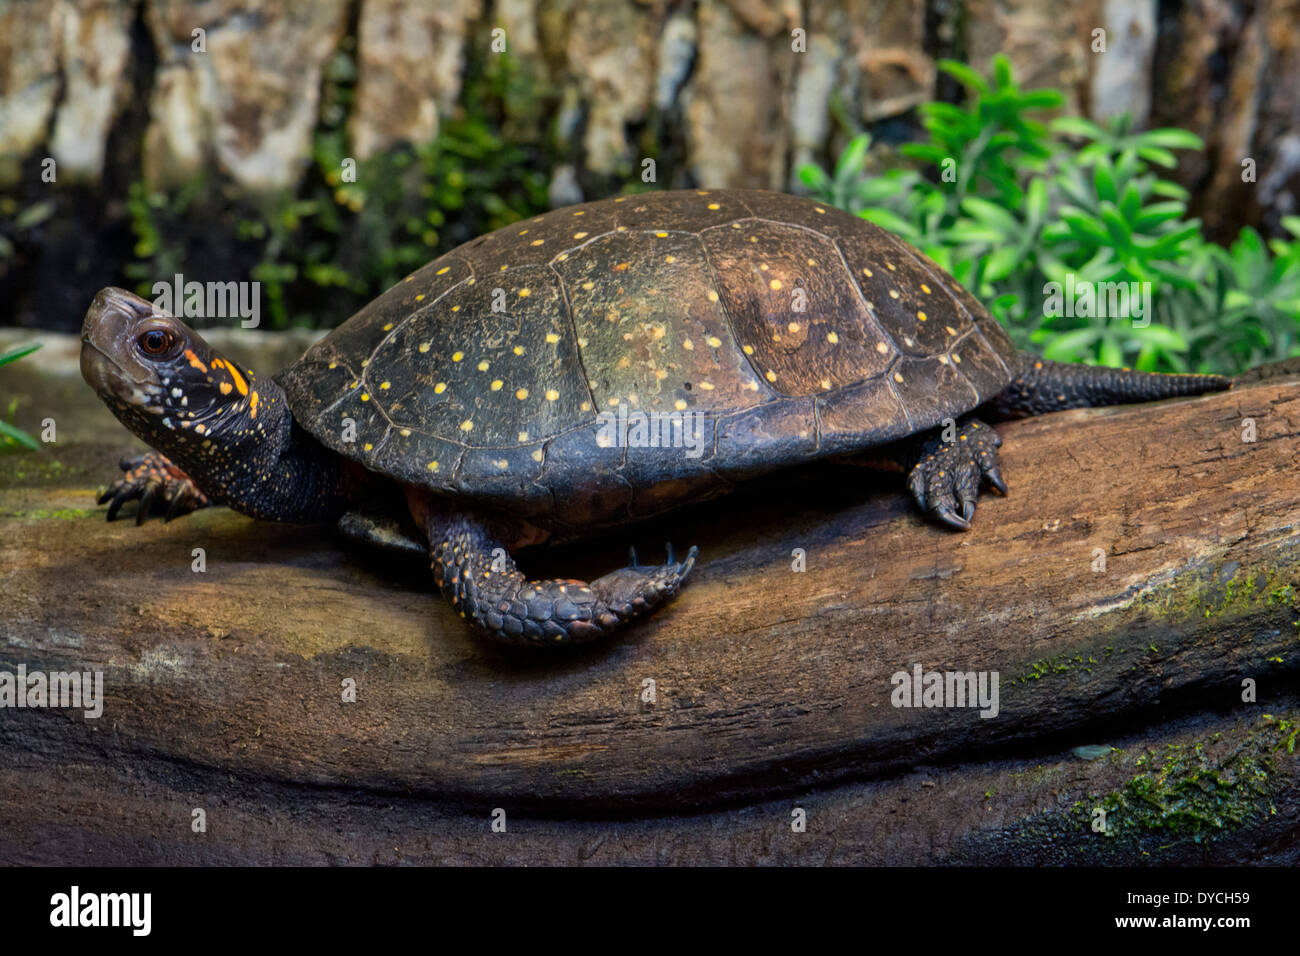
[[637, 588], [159, 486], [946, 479]]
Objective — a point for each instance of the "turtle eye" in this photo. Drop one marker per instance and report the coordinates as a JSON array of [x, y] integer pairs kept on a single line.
[[155, 342]]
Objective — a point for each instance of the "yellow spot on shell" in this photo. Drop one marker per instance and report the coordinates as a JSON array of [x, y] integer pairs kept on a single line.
[[585, 406], [662, 235], [882, 348], [433, 466], [440, 388], [368, 447], [333, 365], [588, 286], [365, 397], [867, 272], [496, 385], [925, 288], [957, 359], [771, 376], [483, 366], [793, 327], [552, 337], [524, 293], [523, 436], [552, 394], [502, 464], [538, 242], [826, 384], [713, 341], [670, 259], [389, 326], [688, 345], [466, 425], [832, 338], [385, 384], [424, 346], [921, 316], [897, 377], [950, 330], [774, 285], [404, 432], [747, 349], [443, 271], [820, 210], [714, 206], [537, 455], [707, 386], [457, 356], [518, 350], [418, 298], [581, 235], [521, 394], [890, 267], [893, 293], [712, 296]]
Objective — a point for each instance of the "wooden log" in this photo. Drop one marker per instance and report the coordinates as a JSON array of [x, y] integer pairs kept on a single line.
[[1145, 563]]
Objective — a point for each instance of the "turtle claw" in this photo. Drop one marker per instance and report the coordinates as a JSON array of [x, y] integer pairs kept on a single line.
[[153, 480], [946, 479]]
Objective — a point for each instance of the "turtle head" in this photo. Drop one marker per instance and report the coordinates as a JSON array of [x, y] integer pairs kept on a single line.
[[159, 376]]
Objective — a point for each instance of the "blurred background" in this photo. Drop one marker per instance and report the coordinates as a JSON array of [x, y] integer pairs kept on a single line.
[[327, 148]]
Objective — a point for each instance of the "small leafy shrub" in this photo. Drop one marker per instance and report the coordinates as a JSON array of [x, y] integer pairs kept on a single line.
[[1017, 204]]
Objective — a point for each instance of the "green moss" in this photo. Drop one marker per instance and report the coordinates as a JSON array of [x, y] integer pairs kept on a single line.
[[1182, 793], [56, 514], [1210, 597]]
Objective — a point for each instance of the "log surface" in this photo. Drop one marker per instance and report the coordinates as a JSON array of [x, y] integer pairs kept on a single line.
[[1146, 560]]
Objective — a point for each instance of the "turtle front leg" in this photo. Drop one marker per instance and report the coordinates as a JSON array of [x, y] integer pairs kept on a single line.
[[479, 578], [944, 477], [158, 484]]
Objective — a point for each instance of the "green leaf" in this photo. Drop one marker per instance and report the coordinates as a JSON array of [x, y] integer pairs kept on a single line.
[[1002, 263], [1160, 336], [990, 214], [851, 160], [1071, 345], [14, 354], [1077, 126], [1171, 138], [1110, 352], [19, 436], [964, 74]]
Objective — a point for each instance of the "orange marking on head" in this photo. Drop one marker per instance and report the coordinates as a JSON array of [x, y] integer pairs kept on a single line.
[[194, 360], [225, 388], [240, 384]]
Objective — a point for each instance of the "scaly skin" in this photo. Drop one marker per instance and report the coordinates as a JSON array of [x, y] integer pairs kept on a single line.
[[480, 579]]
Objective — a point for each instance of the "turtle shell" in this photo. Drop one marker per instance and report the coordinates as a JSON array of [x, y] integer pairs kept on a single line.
[[774, 329]]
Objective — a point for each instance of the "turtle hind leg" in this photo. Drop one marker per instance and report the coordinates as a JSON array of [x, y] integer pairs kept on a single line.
[[478, 576], [158, 484], [1043, 386]]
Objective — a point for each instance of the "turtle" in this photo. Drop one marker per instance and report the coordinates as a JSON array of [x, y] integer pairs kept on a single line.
[[588, 368]]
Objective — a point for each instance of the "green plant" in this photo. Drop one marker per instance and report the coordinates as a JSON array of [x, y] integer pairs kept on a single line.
[[10, 435], [1019, 211]]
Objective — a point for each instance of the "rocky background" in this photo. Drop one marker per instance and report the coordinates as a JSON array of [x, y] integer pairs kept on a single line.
[[115, 93]]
